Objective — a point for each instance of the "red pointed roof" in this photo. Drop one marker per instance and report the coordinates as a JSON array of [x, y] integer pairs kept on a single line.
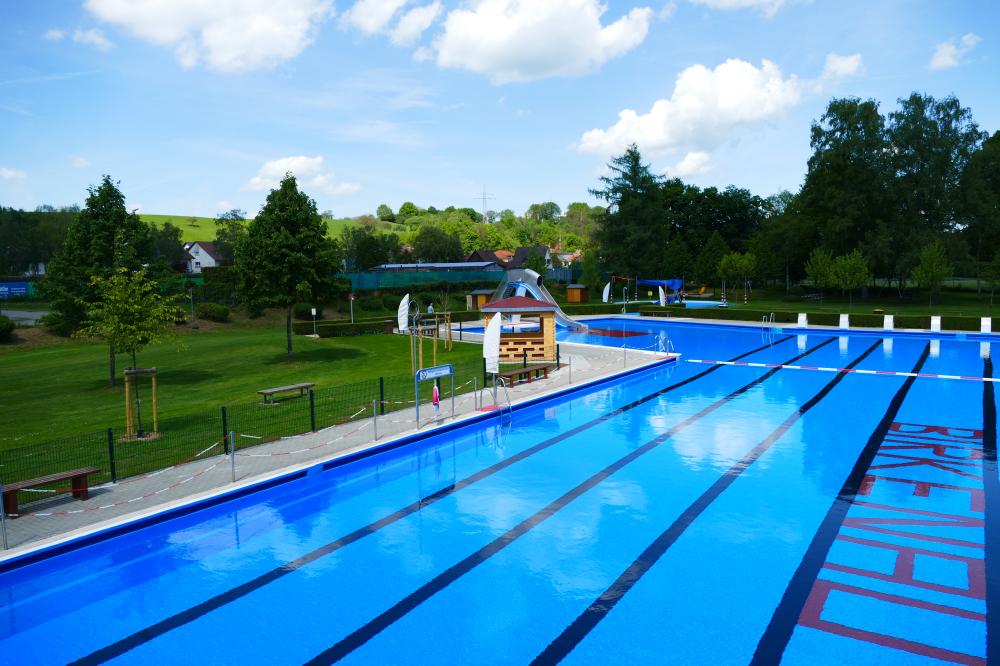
[[518, 304]]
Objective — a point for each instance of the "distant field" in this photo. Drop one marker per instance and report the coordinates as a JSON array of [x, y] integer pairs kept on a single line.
[[203, 228]]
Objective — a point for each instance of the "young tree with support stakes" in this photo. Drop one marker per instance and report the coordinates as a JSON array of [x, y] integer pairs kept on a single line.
[[820, 269], [130, 313], [286, 256]]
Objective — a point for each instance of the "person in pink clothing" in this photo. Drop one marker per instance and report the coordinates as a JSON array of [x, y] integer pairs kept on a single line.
[[436, 399]]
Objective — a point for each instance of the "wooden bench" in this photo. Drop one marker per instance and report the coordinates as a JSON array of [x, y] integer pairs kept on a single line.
[[529, 372], [271, 392], [78, 484]]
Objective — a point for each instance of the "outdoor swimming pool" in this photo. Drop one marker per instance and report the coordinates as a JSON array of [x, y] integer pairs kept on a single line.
[[698, 513]]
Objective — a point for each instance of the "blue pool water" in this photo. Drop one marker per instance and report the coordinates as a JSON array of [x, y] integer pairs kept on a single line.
[[690, 513]]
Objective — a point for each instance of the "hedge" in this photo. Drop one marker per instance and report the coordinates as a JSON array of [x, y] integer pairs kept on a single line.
[[948, 323], [6, 329], [212, 312]]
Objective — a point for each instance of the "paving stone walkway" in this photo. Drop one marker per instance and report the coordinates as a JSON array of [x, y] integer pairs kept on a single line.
[[60, 517]]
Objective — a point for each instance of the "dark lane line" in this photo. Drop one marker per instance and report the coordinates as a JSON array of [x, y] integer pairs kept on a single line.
[[191, 614], [598, 610], [372, 628], [779, 630], [991, 495]]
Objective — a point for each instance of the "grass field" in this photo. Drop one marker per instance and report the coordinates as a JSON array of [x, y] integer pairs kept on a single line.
[[952, 302], [60, 389], [203, 228]]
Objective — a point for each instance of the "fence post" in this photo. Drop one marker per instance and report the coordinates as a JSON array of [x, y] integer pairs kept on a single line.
[[312, 411], [558, 363], [232, 455], [225, 431], [381, 395], [485, 378], [111, 456], [459, 330], [524, 358], [3, 520], [375, 419]]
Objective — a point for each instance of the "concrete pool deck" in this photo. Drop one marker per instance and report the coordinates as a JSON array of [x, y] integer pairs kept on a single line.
[[59, 518]]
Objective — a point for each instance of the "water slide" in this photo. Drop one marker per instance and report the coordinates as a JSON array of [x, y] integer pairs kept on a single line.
[[526, 282]]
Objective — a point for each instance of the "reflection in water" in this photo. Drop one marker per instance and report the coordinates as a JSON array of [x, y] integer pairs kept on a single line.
[[984, 350], [887, 347], [800, 340], [842, 344], [935, 348]]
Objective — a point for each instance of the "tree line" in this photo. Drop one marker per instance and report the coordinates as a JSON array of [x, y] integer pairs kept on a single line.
[[911, 195]]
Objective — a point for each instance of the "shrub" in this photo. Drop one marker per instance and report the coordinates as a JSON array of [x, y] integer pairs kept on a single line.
[[212, 312], [6, 329], [390, 301]]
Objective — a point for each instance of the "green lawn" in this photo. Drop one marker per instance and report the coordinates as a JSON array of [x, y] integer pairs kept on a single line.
[[61, 389], [195, 228], [952, 302]]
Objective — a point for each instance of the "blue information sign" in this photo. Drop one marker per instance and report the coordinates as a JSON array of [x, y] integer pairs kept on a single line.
[[9, 289], [435, 372]]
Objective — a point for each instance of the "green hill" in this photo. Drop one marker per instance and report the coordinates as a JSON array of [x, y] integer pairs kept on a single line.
[[203, 228]]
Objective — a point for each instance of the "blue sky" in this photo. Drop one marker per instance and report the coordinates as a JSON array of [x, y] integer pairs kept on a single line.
[[199, 106]]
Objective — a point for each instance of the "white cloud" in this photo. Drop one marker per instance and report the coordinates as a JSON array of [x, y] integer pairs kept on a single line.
[[525, 40], [224, 206], [79, 162], [949, 54], [93, 37], [11, 174], [705, 107], [224, 35], [770, 7], [413, 24], [371, 16], [841, 66], [668, 10], [308, 170], [54, 34], [694, 163]]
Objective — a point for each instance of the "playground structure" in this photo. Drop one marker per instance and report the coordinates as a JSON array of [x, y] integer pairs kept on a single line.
[[133, 421], [630, 288], [528, 345], [526, 282]]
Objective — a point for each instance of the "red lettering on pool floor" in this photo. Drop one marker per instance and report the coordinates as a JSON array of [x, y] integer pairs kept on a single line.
[[614, 333], [904, 566], [977, 499], [813, 611], [954, 450]]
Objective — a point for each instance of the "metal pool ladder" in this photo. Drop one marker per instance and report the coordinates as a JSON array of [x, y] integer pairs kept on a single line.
[[510, 408]]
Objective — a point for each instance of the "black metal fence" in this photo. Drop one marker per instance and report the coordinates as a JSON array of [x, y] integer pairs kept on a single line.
[[190, 437]]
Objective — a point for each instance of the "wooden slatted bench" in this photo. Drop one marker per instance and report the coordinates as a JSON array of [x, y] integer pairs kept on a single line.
[[271, 392], [529, 372], [76, 477]]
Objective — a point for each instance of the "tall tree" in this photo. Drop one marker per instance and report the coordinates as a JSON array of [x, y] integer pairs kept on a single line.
[[286, 256], [384, 213], [434, 244], [630, 234], [707, 263], [932, 142], [849, 183], [103, 237], [981, 198], [230, 229]]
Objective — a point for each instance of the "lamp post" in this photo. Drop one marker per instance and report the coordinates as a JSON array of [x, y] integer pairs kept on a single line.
[[314, 320], [350, 298]]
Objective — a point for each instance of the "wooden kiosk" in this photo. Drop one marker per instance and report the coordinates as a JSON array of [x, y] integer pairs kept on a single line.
[[536, 345]]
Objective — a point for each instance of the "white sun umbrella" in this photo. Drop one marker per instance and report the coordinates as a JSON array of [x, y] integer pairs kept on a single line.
[[403, 314], [607, 293], [663, 297], [491, 344]]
